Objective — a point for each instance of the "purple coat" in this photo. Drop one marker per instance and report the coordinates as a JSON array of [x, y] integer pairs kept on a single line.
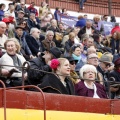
[[82, 90]]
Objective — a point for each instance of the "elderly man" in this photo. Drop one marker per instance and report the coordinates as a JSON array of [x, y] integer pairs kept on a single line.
[[91, 50], [34, 42], [3, 37], [25, 50], [32, 21], [88, 29], [103, 67], [48, 42], [92, 59], [42, 63], [20, 17]]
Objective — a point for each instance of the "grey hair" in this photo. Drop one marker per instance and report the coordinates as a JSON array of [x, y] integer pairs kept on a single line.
[[49, 31], [32, 14], [86, 68], [91, 38], [33, 30], [1, 23]]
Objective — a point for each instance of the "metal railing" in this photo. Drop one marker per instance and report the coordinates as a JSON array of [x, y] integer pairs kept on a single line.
[[102, 7]]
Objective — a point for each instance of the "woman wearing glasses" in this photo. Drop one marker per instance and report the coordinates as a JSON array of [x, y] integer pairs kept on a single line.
[[73, 75], [87, 86], [24, 25]]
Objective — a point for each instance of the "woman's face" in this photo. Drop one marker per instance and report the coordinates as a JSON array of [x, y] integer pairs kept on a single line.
[[72, 38], [72, 65], [11, 48], [89, 75], [77, 51], [64, 69], [23, 24], [3, 7]]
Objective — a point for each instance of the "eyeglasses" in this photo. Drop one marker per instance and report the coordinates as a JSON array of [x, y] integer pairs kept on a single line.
[[73, 62], [89, 72], [93, 58]]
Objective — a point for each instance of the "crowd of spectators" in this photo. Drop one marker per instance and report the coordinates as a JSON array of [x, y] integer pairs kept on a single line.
[[76, 61]]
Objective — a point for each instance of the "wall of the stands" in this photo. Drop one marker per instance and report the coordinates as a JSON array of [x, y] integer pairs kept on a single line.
[[91, 6]]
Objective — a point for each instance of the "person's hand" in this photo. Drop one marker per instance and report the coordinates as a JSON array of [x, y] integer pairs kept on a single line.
[[25, 76], [31, 56], [38, 53], [4, 72], [113, 89]]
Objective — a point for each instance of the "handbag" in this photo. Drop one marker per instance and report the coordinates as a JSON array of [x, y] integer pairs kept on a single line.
[[58, 36]]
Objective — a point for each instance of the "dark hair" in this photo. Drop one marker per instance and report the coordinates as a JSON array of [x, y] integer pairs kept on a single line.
[[113, 19], [63, 10], [72, 49], [2, 4], [57, 8]]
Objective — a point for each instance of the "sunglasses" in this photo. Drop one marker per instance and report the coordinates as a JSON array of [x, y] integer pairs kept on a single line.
[[107, 64], [73, 62], [23, 23]]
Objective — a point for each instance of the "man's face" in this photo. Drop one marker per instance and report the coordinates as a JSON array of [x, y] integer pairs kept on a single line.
[[48, 57], [50, 36], [2, 28], [20, 15], [19, 31], [88, 25], [89, 42], [36, 34], [105, 66], [32, 17], [93, 61]]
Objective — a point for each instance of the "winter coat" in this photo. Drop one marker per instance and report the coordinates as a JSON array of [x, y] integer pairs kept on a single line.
[[35, 76], [52, 84], [82, 90]]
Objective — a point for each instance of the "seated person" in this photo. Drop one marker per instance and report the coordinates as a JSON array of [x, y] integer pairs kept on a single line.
[[73, 75], [76, 51], [87, 86], [115, 77], [11, 58], [40, 65], [58, 82]]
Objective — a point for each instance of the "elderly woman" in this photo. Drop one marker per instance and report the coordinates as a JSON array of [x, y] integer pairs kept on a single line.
[[87, 86], [58, 82], [11, 58]]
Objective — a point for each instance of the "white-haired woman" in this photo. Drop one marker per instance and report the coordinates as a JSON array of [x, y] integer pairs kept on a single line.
[[87, 87]]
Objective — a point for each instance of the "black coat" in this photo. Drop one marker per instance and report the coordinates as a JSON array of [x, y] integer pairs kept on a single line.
[[33, 45], [35, 76], [116, 77], [115, 44], [52, 84], [32, 24], [105, 77], [83, 31]]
